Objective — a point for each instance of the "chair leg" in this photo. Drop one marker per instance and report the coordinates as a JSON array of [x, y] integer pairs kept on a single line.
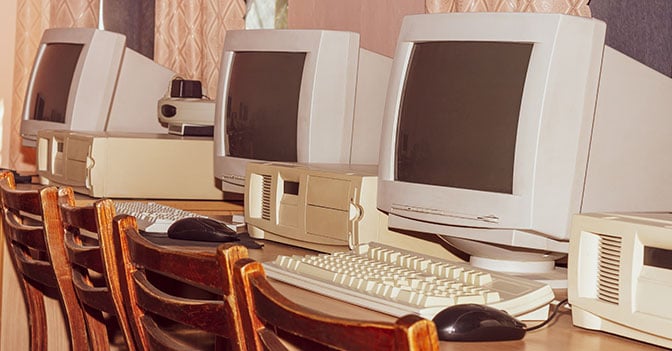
[[98, 341], [37, 318]]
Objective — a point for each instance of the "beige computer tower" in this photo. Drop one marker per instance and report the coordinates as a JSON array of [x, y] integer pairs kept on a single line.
[[324, 208], [128, 165]]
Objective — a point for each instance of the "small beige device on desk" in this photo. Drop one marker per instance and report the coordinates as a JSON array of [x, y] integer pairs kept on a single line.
[[187, 116], [128, 165]]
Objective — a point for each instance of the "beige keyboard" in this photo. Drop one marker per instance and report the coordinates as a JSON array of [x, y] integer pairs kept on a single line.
[[399, 282]]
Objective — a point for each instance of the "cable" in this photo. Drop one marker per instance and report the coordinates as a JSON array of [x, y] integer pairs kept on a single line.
[[550, 318]]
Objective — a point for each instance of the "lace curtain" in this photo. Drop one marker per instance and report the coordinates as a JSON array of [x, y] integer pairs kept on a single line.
[[572, 7], [33, 17], [189, 36]]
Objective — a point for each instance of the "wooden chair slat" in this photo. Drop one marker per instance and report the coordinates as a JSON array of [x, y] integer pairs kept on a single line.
[[270, 312], [212, 317], [83, 235]]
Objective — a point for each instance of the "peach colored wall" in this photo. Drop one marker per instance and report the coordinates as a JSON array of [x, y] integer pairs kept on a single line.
[[7, 41], [377, 21]]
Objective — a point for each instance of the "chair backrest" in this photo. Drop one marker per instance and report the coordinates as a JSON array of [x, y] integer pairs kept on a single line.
[[41, 268], [149, 301], [270, 317], [86, 236]]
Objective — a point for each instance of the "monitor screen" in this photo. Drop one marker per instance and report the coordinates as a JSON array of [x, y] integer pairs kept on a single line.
[[53, 80], [459, 111], [262, 105]]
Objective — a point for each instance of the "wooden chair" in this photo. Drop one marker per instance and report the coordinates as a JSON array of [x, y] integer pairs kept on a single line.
[[41, 268], [269, 317], [149, 302], [86, 235]]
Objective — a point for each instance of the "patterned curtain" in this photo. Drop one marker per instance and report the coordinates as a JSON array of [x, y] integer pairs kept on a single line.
[[33, 17], [189, 36], [572, 7]]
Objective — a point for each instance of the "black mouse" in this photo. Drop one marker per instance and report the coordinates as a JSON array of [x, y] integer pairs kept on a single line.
[[473, 322], [201, 229]]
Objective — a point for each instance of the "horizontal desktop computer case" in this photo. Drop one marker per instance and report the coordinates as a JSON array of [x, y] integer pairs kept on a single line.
[[128, 165], [328, 208], [620, 274]]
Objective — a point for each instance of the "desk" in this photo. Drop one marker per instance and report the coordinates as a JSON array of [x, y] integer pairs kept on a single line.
[[561, 335]]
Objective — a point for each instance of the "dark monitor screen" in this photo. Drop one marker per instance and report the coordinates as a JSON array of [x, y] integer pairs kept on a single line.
[[262, 105], [459, 114], [52, 81]]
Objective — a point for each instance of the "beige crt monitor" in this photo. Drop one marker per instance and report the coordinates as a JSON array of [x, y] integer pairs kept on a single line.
[[128, 165], [620, 274], [587, 130], [327, 96], [87, 80]]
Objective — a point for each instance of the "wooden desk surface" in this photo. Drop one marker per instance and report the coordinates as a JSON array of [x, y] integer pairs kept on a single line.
[[560, 335]]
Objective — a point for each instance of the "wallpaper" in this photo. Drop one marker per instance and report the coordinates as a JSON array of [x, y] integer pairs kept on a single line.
[[572, 7], [189, 36]]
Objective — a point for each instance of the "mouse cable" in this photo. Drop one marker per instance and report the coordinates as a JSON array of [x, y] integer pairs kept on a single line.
[[550, 318]]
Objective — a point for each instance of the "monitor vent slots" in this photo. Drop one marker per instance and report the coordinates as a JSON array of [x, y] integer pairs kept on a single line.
[[609, 268]]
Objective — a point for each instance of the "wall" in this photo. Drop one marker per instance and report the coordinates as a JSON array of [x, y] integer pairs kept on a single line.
[[639, 29], [133, 18], [377, 21], [7, 42]]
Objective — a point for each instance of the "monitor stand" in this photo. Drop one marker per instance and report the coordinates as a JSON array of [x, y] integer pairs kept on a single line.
[[516, 252], [530, 264]]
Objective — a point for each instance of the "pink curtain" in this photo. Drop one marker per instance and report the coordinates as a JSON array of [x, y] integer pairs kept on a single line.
[[189, 36], [571, 7], [33, 17]]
